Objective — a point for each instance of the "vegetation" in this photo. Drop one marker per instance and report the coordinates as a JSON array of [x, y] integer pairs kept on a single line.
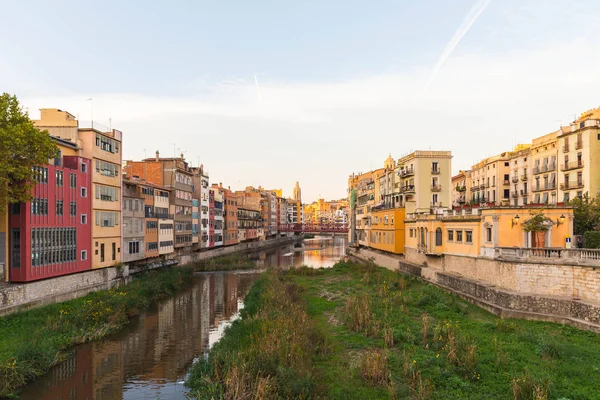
[[365, 332], [537, 222], [33, 341], [586, 213], [591, 240], [22, 146], [225, 263], [309, 236]]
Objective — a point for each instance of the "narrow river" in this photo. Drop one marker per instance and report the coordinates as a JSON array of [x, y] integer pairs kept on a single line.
[[149, 359]]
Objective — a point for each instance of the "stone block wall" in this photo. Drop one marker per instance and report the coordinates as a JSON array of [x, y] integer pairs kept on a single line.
[[501, 274]]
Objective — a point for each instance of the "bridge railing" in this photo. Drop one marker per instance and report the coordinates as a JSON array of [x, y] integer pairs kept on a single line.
[[313, 228]]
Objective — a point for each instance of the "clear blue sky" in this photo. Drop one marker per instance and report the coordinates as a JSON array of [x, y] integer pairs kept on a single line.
[[340, 83]]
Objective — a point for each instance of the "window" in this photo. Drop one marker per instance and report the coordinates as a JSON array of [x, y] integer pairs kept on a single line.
[[506, 193], [153, 246], [488, 234], [469, 236], [106, 168], [15, 248], [107, 218], [506, 164], [53, 246], [107, 193], [83, 252], [102, 252], [59, 178], [83, 167], [114, 251], [15, 208], [438, 237], [459, 236], [450, 235], [151, 224], [83, 219], [107, 144], [72, 180], [59, 207], [134, 247], [41, 174], [73, 209], [39, 207], [83, 192]]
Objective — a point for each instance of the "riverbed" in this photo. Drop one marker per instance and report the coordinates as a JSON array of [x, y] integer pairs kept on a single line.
[[149, 359]]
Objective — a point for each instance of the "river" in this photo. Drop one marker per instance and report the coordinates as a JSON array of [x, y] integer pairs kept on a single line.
[[149, 359]]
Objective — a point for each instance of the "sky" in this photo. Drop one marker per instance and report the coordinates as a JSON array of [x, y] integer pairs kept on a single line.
[[273, 92]]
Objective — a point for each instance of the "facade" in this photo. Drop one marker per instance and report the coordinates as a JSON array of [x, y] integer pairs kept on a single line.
[[544, 168], [231, 218], [387, 230], [103, 147], [490, 181], [135, 225], [201, 192], [217, 211], [52, 235], [461, 187], [175, 175], [282, 212], [579, 169], [195, 222], [297, 193], [425, 180], [249, 221], [519, 175], [272, 206]]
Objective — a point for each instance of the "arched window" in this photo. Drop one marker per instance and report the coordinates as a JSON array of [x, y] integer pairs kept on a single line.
[[438, 237]]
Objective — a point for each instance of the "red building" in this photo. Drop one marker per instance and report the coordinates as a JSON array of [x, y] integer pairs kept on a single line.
[[52, 234]]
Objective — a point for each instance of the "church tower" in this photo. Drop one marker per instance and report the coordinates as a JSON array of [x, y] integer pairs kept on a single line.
[[297, 193]]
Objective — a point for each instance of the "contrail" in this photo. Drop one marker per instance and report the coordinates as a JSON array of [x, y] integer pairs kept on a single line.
[[258, 93], [470, 19]]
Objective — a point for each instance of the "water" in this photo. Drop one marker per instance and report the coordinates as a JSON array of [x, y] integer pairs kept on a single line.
[[149, 359]]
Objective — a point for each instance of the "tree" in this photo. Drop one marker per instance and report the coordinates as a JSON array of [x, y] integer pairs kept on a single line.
[[586, 214], [22, 146], [538, 224]]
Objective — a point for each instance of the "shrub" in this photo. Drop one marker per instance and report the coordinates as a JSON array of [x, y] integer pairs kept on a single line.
[[374, 368], [591, 240]]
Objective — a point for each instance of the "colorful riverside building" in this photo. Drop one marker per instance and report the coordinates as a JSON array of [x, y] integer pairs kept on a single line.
[[216, 211], [52, 235], [201, 192], [231, 217], [135, 226], [103, 146], [175, 175], [195, 223]]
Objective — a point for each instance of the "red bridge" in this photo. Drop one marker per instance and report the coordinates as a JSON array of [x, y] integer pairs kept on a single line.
[[314, 228]]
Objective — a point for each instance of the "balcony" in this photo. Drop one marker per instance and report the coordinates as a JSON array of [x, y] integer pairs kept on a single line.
[[514, 195], [571, 185], [436, 188], [407, 172], [506, 182], [163, 216], [571, 165], [407, 189], [524, 178], [566, 148], [515, 179], [482, 186], [435, 171], [461, 188], [579, 145]]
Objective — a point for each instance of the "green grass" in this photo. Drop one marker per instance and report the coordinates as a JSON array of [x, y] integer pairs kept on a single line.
[[225, 263], [33, 341], [391, 336]]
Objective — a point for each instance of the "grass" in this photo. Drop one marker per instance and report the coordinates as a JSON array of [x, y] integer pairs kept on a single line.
[[33, 341], [225, 263], [378, 334]]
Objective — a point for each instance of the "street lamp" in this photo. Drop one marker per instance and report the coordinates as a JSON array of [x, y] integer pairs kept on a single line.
[[515, 221], [560, 220]]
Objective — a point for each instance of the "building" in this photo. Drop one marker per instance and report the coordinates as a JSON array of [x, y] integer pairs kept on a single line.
[[103, 146], [175, 175], [544, 169], [519, 175], [297, 193], [461, 186], [200, 180], [282, 212], [272, 206], [216, 212], [249, 221], [135, 225], [579, 169], [425, 180], [195, 223], [231, 217], [52, 234], [490, 180]]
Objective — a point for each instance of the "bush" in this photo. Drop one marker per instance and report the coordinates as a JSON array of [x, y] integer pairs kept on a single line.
[[591, 240]]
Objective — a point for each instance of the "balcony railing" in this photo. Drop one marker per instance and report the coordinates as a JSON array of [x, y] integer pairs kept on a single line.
[[482, 186], [163, 216], [579, 145], [569, 255], [514, 195], [524, 177], [515, 179], [506, 182], [566, 148], [572, 165], [435, 171], [461, 188], [407, 189], [407, 172], [436, 188], [571, 185]]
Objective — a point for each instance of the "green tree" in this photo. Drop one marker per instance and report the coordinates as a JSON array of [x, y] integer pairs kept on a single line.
[[537, 223], [586, 214], [22, 146]]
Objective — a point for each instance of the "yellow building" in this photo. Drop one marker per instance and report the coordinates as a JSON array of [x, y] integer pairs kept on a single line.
[[103, 147], [490, 180], [425, 180], [579, 169], [480, 231], [544, 168], [387, 230], [461, 187], [519, 175]]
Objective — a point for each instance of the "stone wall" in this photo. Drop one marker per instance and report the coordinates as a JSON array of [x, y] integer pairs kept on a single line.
[[18, 297], [559, 293]]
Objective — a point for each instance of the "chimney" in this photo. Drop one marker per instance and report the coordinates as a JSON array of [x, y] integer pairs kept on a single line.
[[157, 155], [220, 184]]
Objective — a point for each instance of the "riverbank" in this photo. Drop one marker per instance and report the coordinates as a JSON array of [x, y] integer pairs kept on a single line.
[[375, 333], [33, 341]]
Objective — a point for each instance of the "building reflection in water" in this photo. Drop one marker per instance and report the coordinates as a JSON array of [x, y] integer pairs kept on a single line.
[[150, 358]]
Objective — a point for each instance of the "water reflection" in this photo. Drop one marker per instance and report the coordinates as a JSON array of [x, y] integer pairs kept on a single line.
[[150, 357]]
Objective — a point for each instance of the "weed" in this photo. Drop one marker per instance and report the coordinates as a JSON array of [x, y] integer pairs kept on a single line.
[[525, 387], [374, 368], [425, 330]]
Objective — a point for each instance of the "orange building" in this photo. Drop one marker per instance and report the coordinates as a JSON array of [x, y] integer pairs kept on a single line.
[[231, 218]]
